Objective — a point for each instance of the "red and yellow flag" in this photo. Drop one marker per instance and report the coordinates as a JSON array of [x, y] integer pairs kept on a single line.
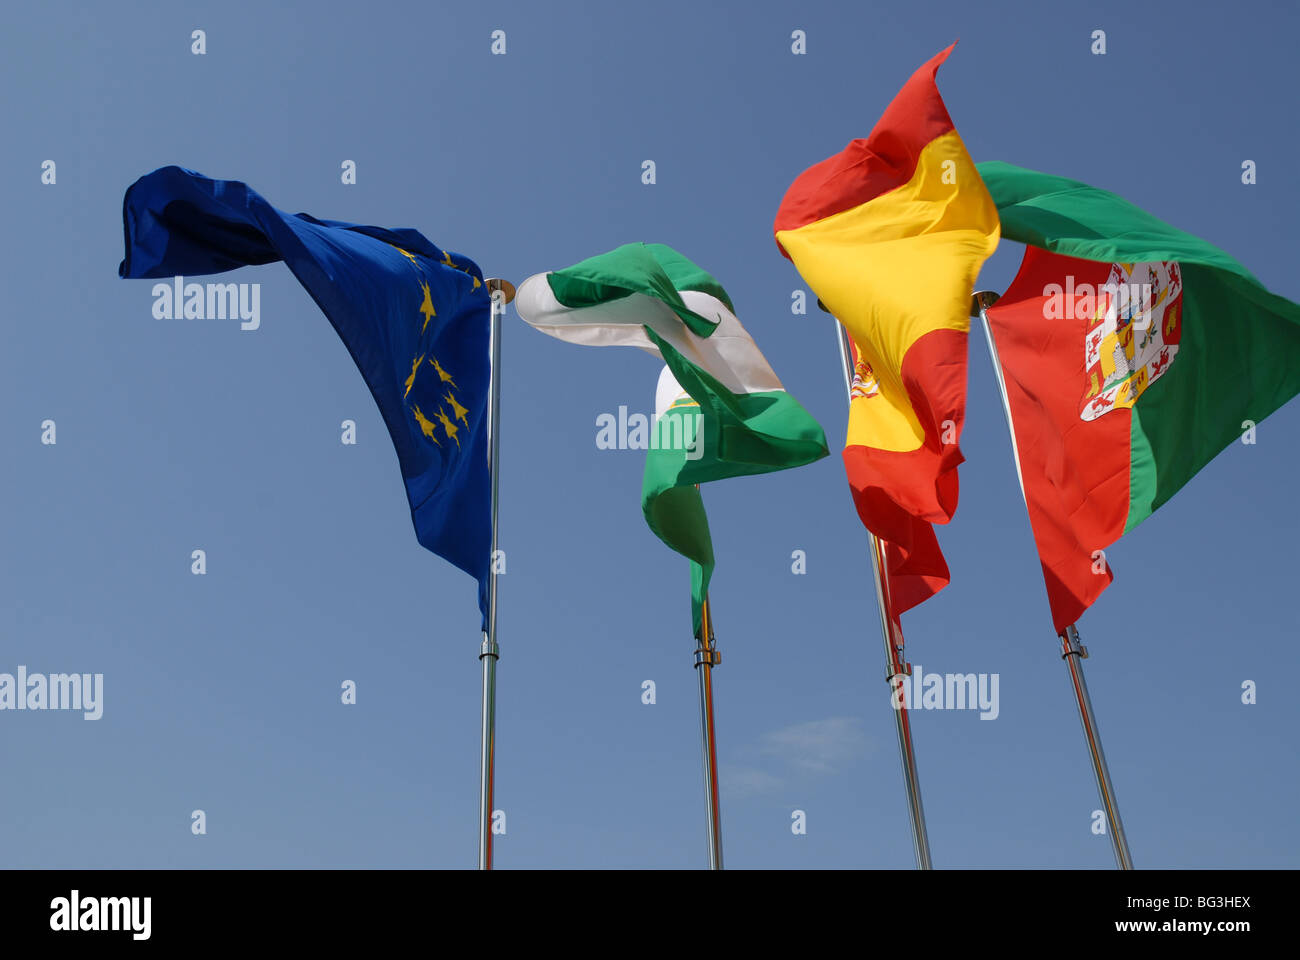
[[890, 233]]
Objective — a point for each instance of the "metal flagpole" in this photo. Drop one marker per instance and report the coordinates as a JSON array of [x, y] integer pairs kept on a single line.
[[891, 632], [502, 292], [1072, 651], [706, 658]]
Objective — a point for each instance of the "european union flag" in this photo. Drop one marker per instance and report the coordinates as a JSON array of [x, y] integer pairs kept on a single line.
[[415, 318]]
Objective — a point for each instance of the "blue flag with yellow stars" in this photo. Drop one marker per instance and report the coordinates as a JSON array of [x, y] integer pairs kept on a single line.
[[415, 318]]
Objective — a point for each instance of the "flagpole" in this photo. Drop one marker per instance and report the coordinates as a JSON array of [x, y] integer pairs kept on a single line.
[[891, 631], [706, 658], [502, 292], [1073, 652]]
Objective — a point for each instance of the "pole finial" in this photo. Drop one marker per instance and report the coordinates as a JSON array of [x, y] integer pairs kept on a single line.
[[505, 286], [982, 300]]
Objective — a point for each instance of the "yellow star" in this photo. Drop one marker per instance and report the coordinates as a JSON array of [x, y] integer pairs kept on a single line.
[[406, 253], [426, 308], [426, 425], [446, 259], [457, 409], [410, 381], [448, 426], [443, 375]]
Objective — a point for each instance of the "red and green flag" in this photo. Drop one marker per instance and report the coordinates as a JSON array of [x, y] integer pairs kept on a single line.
[[1133, 353]]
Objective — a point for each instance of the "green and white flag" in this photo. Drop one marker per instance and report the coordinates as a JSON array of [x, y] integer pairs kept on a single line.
[[720, 410]]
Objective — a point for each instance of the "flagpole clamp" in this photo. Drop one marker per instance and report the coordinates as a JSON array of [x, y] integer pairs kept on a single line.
[[707, 655], [904, 670], [489, 648], [1071, 645]]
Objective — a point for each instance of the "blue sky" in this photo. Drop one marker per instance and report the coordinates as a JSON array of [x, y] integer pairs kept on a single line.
[[222, 691]]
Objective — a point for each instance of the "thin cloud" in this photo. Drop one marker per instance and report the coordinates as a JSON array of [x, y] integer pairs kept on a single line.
[[739, 781], [818, 746]]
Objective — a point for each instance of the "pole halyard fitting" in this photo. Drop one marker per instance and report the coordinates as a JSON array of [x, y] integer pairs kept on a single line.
[[1071, 645], [904, 670], [707, 655], [707, 651]]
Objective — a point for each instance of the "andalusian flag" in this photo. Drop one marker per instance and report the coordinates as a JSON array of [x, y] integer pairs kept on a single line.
[[720, 411], [890, 233], [1132, 353]]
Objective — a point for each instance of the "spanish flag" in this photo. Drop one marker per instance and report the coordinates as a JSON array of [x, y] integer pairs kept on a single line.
[[890, 233]]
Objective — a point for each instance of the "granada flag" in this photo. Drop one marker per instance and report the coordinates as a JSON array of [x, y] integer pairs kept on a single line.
[[890, 233], [1132, 353]]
